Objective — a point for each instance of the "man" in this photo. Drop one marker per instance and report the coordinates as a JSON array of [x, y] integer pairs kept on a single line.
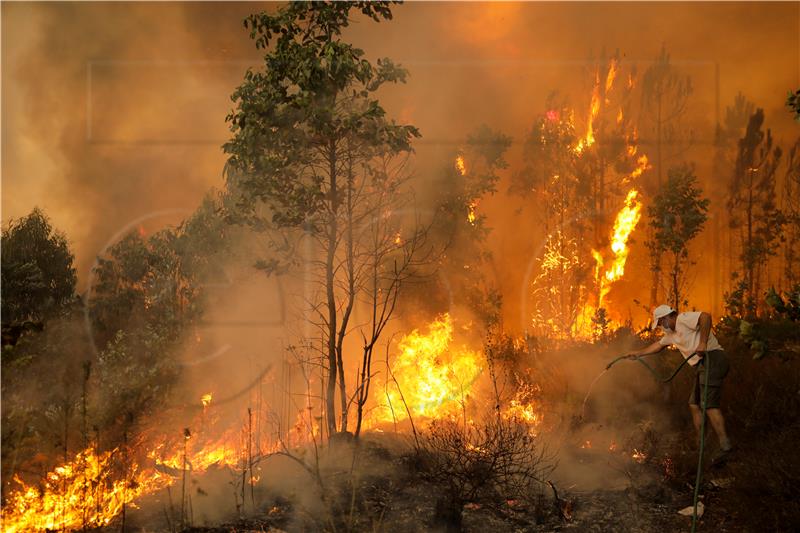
[[691, 334]]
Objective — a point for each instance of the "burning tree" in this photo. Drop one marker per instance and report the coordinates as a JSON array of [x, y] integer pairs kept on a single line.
[[574, 176], [313, 159]]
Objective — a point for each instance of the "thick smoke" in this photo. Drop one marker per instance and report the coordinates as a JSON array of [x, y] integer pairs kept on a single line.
[[113, 118]]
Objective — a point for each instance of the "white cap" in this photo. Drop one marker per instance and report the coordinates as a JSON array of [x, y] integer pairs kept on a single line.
[[660, 312]]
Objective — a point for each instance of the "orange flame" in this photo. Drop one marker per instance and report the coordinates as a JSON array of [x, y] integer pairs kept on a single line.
[[205, 399], [460, 166], [432, 375], [612, 74], [524, 407], [471, 212], [77, 493], [91, 489]]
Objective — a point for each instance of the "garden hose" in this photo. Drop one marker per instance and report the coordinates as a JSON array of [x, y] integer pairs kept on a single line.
[[667, 379]]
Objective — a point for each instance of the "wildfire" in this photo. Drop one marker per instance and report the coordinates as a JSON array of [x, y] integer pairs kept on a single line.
[[91, 490], [205, 399], [525, 407], [639, 457], [432, 375], [471, 212], [460, 166], [82, 492], [612, 74], [626, 221]]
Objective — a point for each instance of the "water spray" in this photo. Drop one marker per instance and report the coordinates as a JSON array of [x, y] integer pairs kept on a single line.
[[656, 375], [666, 379]]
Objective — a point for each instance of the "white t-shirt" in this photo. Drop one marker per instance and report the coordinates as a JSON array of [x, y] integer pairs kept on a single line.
[[686, 336]]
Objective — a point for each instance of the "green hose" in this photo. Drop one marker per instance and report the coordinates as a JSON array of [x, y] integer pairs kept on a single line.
[[667, 379], [702, 446], [652, 370]]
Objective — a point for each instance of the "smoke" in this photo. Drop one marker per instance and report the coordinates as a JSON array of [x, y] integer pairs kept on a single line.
[[113, 118], [114, 114]]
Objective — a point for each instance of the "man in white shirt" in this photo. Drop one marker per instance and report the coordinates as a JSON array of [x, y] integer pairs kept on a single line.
[[691, 334]]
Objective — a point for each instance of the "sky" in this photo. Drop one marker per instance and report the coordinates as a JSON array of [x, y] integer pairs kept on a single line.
[[113, 114]]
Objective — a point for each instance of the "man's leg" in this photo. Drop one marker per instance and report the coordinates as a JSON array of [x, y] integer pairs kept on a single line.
[[697, 417], [718, 369], [694, 408], [718, 423]]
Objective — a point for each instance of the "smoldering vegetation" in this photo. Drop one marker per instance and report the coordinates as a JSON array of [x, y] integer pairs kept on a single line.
[[394, 319]]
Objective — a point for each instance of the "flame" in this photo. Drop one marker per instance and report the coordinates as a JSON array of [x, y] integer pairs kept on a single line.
[[642, 164], [639, 457], [594, 110], [612, 74], [613, 446], [432, 375], [77, 493], [91, 489], [471, 212], [626, 220], [609, 265], [205, 399], [460, 166], [306, 428], [587, 445], [525, 407]]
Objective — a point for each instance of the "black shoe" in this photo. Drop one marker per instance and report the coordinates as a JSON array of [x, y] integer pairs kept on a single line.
[[721, 457]]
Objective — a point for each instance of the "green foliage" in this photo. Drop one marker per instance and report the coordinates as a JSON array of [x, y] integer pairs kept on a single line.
[[738, 302], [158, 279], [775, 331], [677, 216], [293, 120], [793, 103], [787, 306], [311, 157], [459, 227], [134, 375], [678, 213], [38, 276]]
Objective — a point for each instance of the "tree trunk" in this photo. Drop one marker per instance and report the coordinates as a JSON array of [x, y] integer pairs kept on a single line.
[[675, 276], [748, 257], [331, 297]]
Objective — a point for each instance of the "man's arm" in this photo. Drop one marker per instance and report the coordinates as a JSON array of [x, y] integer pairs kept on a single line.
[[653, 348], [704, 323]]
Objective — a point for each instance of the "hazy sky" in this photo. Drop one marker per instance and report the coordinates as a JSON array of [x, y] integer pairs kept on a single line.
[[113, 114]]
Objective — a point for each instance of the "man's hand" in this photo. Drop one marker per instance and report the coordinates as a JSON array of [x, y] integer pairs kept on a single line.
[[702, 346]]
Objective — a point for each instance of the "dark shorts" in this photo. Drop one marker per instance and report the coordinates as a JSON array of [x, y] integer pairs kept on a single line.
[[718, 367]]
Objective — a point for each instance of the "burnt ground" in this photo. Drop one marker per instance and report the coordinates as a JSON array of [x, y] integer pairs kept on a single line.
[[642, 495]]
